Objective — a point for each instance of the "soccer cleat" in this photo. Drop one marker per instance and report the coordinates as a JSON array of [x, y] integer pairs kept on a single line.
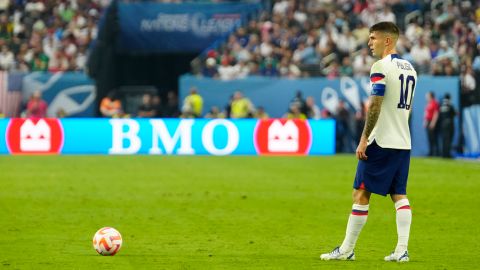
[[337, 255], [401, 257]]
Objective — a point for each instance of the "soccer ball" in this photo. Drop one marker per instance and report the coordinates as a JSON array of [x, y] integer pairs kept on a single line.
[[107, 241]]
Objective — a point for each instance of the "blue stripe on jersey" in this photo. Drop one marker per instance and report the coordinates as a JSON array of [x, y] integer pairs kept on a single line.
[[378, 89], [393, 56]]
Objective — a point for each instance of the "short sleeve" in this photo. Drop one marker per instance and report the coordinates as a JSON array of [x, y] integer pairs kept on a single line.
[[377, 79]]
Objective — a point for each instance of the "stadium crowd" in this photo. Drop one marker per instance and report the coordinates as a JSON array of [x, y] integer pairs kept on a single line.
[[328, 38], [47, 35]]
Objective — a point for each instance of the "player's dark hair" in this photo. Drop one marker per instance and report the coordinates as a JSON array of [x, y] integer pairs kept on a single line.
[[386, 27]]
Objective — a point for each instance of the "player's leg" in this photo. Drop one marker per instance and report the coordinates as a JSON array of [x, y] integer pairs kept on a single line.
[[404, 220], [356, 221], [403, 212]]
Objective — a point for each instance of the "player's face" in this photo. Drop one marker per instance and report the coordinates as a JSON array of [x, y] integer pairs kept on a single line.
[[376, 43]]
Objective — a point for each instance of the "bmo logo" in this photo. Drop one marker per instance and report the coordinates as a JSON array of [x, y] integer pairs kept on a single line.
[[34, 136], [282, 137]]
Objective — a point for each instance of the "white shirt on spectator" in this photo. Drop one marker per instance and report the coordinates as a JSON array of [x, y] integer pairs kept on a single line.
[[346, 43], [420, 54], [361, 64], [413, 32], [386, 17], [35, 6], [281, 7], [266, 49], [7, 60], [227, 72], [70, 49], [469, 82], [368, 17], [317, 114], [4, 4], [80, 61], [300, 16]]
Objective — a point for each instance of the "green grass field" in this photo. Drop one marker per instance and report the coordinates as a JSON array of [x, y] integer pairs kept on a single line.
[[225, 213]]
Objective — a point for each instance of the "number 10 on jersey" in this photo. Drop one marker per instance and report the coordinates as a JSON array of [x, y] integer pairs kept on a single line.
[[405, 88]]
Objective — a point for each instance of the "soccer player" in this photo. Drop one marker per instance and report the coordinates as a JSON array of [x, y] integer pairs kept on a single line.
[[384, 147]]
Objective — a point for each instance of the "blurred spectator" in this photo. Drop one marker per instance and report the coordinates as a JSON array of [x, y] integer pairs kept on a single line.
[[157, 105], [269, 68], [146, 109], [332, 71], [226, 71], [447, 124], [111, 106], [386, 15], [313, 111], [261, 114], [192, 104], [171, 108], [295, 113], [346, 67], [242, 107], [346, 42], [210, 69], [468, 85], [288, 69], [421, 56], [7, 59], [362, 63], [39, 61], [430, 123], [61, 113], [360, 117], [36, 106], [228, 107], [299, 102], [214, 113], [344, 138]]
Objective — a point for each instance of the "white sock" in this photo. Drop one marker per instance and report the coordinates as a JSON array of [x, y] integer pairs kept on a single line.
[[357, 219], [404, 219]]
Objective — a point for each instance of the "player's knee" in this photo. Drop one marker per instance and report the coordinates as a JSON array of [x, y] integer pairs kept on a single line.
[[361, 197], [397, 197]]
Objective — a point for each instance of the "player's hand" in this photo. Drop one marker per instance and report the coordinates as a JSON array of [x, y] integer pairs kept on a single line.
[[362, 148]]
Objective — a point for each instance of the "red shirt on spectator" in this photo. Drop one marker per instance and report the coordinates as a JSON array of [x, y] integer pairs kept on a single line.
[[36, 108], [431, 108]]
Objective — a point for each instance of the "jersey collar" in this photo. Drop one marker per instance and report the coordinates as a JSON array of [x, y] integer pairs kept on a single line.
[[394, 55]]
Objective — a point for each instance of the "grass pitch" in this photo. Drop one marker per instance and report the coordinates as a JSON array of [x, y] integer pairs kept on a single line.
[[225, 213]]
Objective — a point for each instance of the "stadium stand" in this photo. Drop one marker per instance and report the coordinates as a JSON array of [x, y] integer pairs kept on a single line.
[[43, 35], [327, 38]]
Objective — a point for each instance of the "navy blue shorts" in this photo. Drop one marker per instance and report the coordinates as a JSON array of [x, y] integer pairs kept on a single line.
[[384, 172]]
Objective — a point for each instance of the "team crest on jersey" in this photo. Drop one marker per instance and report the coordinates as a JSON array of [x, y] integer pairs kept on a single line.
[[34, 136], [282, 137]]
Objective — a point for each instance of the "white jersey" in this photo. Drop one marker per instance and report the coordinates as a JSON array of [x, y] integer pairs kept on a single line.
[[395, 79]]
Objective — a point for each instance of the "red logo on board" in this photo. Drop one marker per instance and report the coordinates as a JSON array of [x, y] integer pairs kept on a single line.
[[34, 136], [283, 137]]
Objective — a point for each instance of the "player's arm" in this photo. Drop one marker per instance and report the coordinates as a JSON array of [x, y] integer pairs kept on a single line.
[[372, 117], [433, 123], [377, 78]]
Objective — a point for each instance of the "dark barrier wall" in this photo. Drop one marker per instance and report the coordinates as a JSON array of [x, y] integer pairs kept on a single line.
[[275, 94]]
